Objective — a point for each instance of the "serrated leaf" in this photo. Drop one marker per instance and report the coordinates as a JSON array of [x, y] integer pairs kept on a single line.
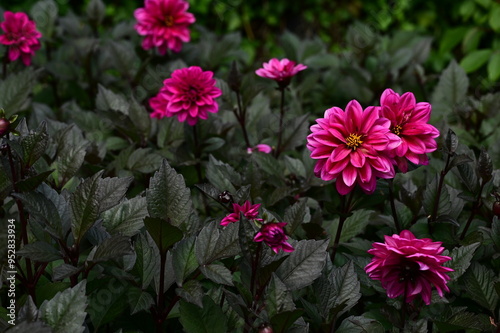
[[112, 191], [451, 141], [304, 264], [218, 274], [295, 132], [15, 90], [278, 297], [107, 302], [127, 218], [191, 292], [44, 14], [65, 312], [360, 324], [430, 194], [459, 160], [296, 215], [96, 11], [108, 100], [112, 248], [475, 60], [222, 175], [295, 166], [208, 318], [34, 145], [184, 259], [37, 326], [168, 197], [164, 234], [84, 206], [451, 89], [144, 160], [139, 116], [469, 177], [212, 244], [485, 166], [64, 271], [461, 258], [479, 283], [40, 251], [147, 263], [139, 300], [31, 183], [28, 312]]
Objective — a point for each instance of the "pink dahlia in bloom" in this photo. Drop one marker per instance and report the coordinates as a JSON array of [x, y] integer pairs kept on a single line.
[[274, 236], [164, 24], [409, 122], [249, 211], [280, 71], [260, 147], [408, 266], [20, 36], [189, 94], [349, 146]]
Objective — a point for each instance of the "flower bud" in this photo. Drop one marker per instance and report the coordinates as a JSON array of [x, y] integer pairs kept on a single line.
[[496, 208], [4, 126]]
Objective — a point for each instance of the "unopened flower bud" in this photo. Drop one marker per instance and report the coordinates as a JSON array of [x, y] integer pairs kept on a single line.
[[4, 126], [496, 208]]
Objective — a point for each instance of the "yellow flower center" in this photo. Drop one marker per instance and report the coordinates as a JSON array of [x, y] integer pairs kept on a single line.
[[397, 130], [353, 141], [169, 21]]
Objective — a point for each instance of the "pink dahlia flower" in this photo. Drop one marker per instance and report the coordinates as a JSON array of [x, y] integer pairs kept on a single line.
[[260, 147], [249, 211], [280, 71], [189, 94], [21, 36], [409, 266], [164, 24], [409, 121], [274, 236], [350, 146]]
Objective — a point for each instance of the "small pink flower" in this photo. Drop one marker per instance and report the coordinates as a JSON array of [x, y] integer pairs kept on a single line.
[[409, 121], [409, 266], [350, 146], [20, 36], [274, 236], [260, 147], [164, 23], [249, 211], [280, 71], [189, 94]]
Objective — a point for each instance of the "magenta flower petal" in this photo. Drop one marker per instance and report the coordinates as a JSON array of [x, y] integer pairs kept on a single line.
[[250, 211], [280, 71], [164, 24], [407, 266], [409, 122], [351, 147], [181, 94], [273, 234], [20, 36]]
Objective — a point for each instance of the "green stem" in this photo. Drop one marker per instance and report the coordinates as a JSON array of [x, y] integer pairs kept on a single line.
[[280, 131], [393, 205], [241, 116], [161, 297], [443, 173]]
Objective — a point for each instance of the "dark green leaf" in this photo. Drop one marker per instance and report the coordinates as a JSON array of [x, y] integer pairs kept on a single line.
[[296, 215], [144, 160], [192, 292], [15, 91], [164, 234], [212, 244], [218, 274], [107, 302], [31, 183], [278, 297], [304, 264], [430, 194], [108, 100], [96, 11], [147, 263], [469, 177], [222, 175], [475, 60], [479, 283], [111, 248], [360, 324], [207, 319], [485, 166], [64, 271], [184, 259], [459, 160], [451, 141], [139, 116], [461, 258], [84, 206], [168, 197], [139, 300], [34, 145], [36, 326], [65, 312], [126, 218], [112, 191], [283, 320], [40, 251]]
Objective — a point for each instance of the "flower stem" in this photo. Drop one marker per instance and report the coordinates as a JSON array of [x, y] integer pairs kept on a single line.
[[393, 205], [241, 116], [475, 207], [434, 213], [345, 209], [197, 153], [280, 131]]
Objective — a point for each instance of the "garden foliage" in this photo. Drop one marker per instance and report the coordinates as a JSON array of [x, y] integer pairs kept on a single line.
[[183, 185]]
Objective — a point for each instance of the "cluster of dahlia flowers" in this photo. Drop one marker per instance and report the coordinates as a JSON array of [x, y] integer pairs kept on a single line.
[[357, 146]]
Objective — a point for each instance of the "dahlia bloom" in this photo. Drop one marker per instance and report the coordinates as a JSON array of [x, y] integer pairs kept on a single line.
[[189, 94], [260, 147], [249, 211], [409, 266], [349, 146], [21, 36], [409, 121], [164, 23], [274, 236], [280, 71]]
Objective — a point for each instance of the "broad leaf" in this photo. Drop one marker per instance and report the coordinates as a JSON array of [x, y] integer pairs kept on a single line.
[[139, 300], [479, 282], [112, 191], [278, 297], [40, 251], [208, 319], [212, 244], [34, 145], [111, 248], [147, 264], [65, 312], [360, 324], [218, 274], [461, 258], [164, 234], [126, 218], [296, 215], [184, 259]]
